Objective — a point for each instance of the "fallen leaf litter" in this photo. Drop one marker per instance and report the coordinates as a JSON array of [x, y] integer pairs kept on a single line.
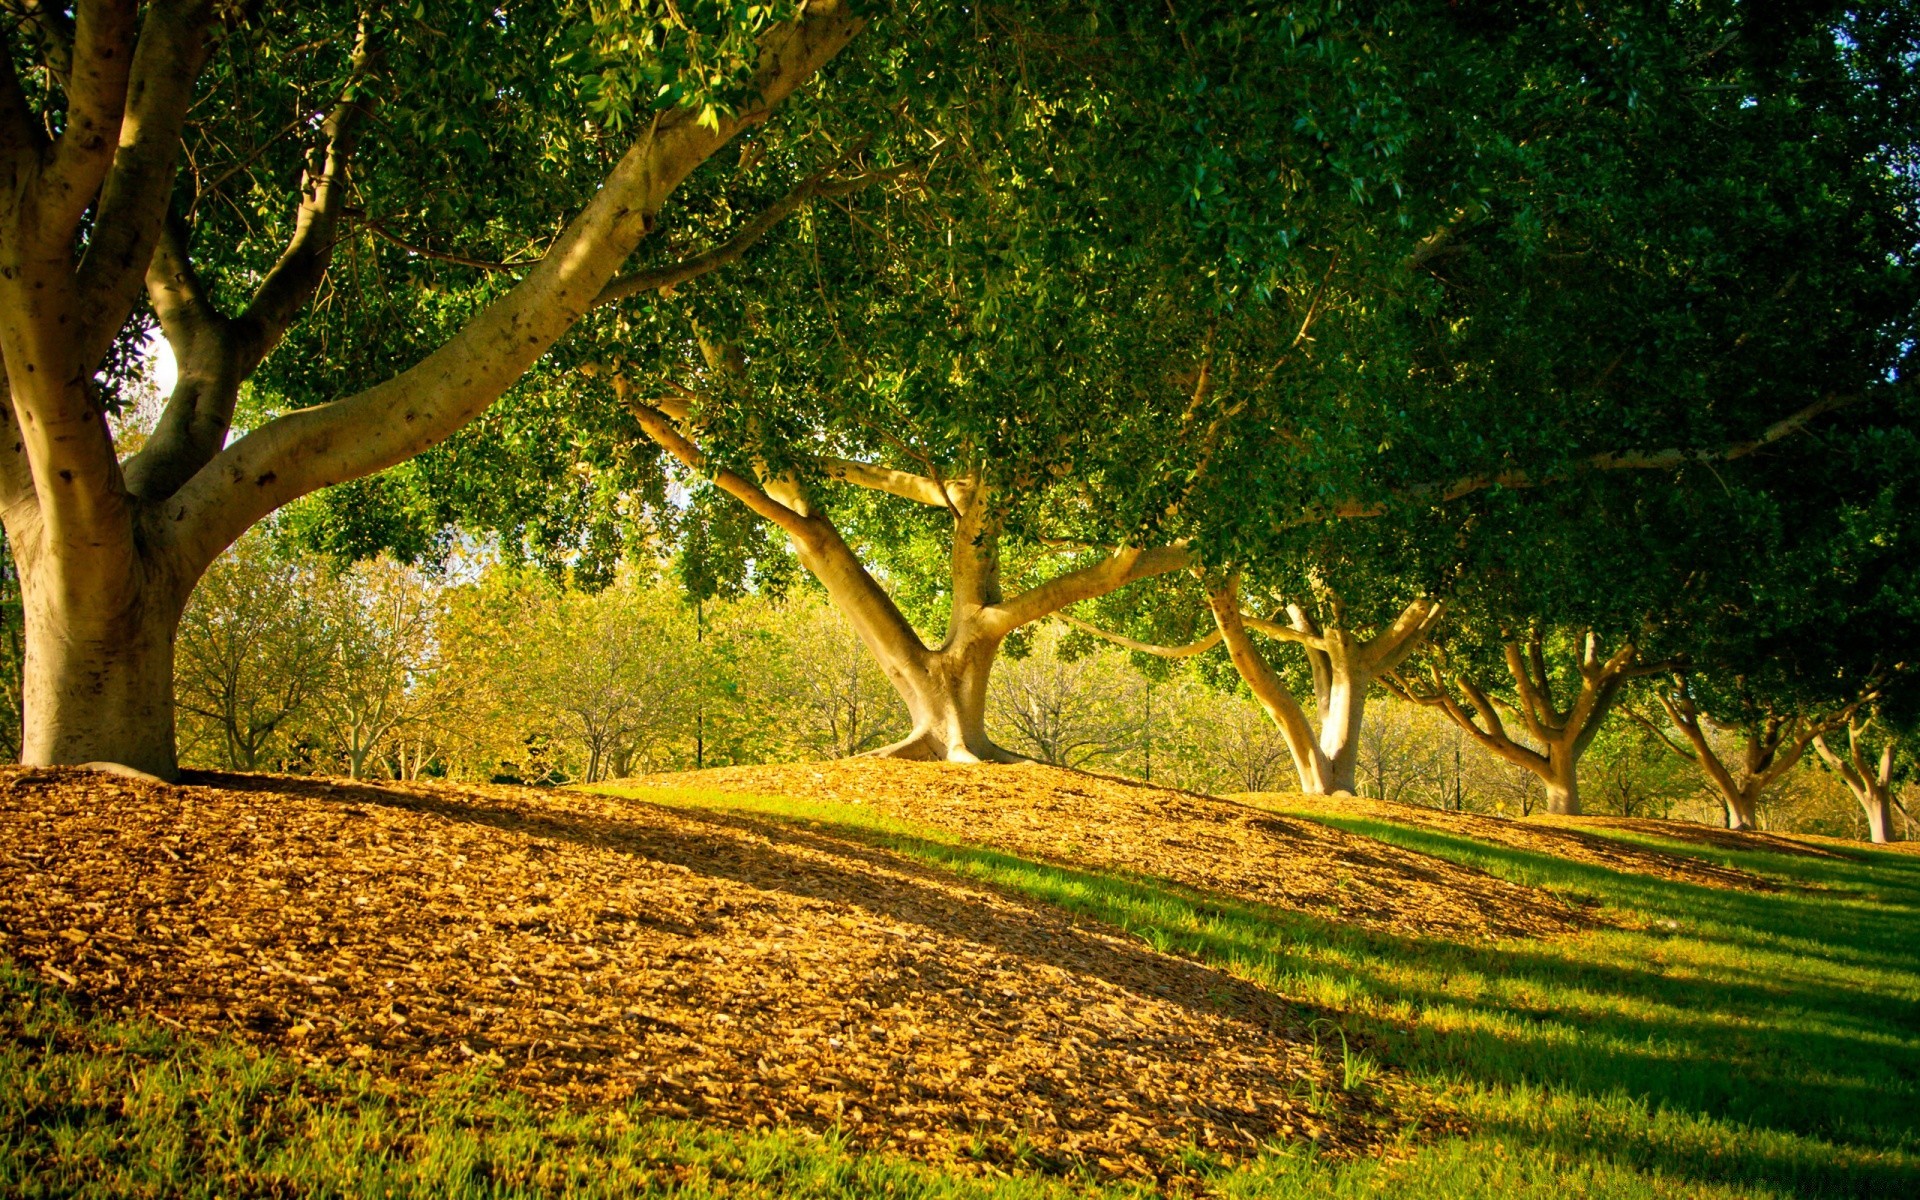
[[592, 951], [1221, 846]]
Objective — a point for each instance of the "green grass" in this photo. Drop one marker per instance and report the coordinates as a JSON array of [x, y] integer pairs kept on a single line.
[[1760, 1045]]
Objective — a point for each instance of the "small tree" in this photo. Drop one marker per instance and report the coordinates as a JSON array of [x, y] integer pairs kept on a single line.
[[254, 647], [1873, 758]]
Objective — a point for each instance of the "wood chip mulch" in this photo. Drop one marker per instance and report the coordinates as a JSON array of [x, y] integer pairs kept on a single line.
[[1565, 837], [595, 951], [1221, 846]]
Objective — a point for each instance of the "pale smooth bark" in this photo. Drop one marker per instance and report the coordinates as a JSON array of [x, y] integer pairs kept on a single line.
[[107, 555], [944, 686], [1867, 775], [1562, 733], [1344, 667]]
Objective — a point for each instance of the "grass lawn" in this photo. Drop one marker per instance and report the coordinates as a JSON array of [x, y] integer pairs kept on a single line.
[[1734, 1043]]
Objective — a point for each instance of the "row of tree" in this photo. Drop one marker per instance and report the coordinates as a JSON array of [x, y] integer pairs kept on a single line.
[[1501, 354], [291, 661]]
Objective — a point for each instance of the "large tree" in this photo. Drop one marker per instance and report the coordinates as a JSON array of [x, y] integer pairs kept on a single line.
[[102, 107]]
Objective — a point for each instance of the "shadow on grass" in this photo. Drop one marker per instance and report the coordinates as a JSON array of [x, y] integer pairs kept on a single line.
[[1768, 1040]]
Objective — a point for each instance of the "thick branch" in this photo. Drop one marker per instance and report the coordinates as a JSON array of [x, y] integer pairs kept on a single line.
[[673, 275], [395, 420], [134, 196], [104, 33], [818, 543], [1620, 460], [904, 484], [1386, 650], [1110, 574], [215, 354], [1267, 687], [1284, 633]]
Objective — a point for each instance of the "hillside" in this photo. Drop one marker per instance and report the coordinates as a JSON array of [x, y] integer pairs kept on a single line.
[[984, 970]]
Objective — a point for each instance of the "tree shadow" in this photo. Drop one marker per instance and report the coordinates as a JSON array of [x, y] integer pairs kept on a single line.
[[1811, 1077]]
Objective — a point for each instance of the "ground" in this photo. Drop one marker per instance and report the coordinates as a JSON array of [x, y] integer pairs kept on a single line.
[[878, 977]]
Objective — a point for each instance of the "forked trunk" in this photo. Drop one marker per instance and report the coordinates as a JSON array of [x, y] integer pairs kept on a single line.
[[1742, 811], [98, 683], [946, 695]]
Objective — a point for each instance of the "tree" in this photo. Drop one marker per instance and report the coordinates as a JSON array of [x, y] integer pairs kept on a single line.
[[107, 556], [1020, 328], [841, 701], [1068, 712], [1770, 742], [254, 647], [382, 634], [1871, 761], [1344, 669], [1561, 709]]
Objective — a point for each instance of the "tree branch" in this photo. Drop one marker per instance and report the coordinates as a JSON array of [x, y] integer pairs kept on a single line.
[[104, 40], [1187, 651], [1620, 460], [1284, 633], [673, 275], [392, 421], [136, 190], [1108, 575], [904, 484], [1267, 687], [216, 354]]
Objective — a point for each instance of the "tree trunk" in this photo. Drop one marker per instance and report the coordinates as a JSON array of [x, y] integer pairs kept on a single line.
[[98, 681], [1562, 779], [1742, 811], [1877, 802], [946, 694], [1343, 709]]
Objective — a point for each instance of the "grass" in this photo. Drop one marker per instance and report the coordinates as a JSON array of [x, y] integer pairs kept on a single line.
[[1740, 1044]]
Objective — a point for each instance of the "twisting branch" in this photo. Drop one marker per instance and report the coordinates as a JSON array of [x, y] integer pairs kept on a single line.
[[664, 279], [1187, 651]]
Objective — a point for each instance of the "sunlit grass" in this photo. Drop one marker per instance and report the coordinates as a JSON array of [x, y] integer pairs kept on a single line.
[[1729, 1044], [1770, 1039]]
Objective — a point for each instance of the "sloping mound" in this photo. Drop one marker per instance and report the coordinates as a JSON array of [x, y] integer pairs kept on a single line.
[[598, 950], [1561, 837], [1217, 845]]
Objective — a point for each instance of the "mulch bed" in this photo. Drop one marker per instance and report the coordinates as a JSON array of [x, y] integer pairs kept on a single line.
[[1564, 837], [599, 951], [1221, 846]]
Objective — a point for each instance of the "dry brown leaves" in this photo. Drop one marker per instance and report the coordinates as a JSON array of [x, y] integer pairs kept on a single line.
[[603, 951], [1223, 846], [1563, 837]]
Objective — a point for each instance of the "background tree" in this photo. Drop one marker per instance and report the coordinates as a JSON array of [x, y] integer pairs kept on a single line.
[[381, 631], [254, 649]]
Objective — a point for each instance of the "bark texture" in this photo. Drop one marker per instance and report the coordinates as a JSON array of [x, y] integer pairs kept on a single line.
[[109, 553]]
